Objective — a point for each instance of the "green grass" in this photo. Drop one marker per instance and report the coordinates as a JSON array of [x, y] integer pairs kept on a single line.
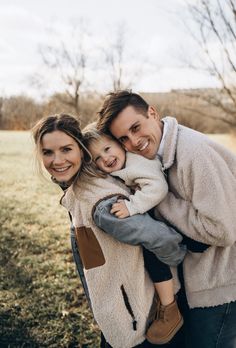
[[41, 299]]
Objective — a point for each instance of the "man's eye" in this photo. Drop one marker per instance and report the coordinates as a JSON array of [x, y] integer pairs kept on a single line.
[[136, 128], [123, 140]]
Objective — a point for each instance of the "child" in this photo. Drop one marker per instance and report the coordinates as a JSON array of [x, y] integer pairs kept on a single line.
[[109, 157]]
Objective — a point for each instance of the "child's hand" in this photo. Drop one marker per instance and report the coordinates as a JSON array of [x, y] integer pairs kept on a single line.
[[119, 209]]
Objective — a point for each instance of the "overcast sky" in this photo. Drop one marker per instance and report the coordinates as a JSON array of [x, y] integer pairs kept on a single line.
[[156, 37]]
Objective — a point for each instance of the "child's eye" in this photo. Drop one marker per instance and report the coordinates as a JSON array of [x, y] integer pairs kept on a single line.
[[107, 148], [97, 159]]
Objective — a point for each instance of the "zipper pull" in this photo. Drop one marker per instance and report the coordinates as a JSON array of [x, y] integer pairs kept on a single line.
[[134, 325]]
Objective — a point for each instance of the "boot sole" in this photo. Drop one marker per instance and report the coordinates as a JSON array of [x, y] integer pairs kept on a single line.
[[169, 337]]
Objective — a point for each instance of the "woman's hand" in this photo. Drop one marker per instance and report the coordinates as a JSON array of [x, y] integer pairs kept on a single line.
[[119, 209]]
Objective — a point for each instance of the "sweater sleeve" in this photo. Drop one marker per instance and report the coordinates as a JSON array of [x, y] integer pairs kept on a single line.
[[208, 213], [148, 175]]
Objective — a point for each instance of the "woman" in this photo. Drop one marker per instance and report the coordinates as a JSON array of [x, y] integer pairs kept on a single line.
[[120, 291]]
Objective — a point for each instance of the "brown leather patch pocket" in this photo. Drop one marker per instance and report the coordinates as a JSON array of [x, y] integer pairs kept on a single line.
[[89, 248]]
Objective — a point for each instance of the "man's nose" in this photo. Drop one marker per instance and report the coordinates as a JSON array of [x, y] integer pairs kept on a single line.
[[134, 140]]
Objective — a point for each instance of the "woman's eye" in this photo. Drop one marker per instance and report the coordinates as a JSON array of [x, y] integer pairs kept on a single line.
[[46, 152], [66, 149], [136, 128]]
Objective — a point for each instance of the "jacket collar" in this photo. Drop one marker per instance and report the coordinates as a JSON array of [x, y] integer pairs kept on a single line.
[[170, 142]]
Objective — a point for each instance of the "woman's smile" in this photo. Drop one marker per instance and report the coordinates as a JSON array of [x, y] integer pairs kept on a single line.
[[62, 156]]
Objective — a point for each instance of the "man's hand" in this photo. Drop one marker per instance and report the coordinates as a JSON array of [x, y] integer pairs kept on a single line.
[[119, 209]]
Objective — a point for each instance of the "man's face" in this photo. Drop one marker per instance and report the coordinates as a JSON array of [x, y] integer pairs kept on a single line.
[[138, 133]]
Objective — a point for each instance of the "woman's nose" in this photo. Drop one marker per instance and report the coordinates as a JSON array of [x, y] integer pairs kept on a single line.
[[58, 158]]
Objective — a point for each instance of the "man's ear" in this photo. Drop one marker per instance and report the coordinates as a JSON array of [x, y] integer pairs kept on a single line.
[[152, 112]]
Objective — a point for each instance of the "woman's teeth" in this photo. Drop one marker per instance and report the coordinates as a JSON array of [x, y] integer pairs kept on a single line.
[[60, 170]]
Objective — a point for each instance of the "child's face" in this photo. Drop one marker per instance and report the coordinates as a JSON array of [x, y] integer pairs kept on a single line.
[[107, 154]]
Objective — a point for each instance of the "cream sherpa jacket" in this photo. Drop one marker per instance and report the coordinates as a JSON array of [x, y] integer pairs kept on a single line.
[[202, 204], [120, 289], [149, 176]]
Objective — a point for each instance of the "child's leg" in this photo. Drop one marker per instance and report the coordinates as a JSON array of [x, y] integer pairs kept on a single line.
[[165, 290], [161, 276], [169, 319]]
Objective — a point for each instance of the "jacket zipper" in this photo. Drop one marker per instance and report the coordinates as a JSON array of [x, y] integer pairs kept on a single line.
[[128, 307]]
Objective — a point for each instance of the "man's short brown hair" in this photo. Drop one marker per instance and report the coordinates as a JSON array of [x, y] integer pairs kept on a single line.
[[114, 103]]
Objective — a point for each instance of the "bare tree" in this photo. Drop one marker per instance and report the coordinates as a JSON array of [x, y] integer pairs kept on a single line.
[[69, 60], [117, 59], [215, 21]]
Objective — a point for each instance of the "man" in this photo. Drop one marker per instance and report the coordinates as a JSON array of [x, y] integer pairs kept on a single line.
[[201, 203]]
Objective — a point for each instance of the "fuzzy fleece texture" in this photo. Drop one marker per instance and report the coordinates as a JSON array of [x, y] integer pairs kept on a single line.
[[149, 176], [201, 203], [123, 268]]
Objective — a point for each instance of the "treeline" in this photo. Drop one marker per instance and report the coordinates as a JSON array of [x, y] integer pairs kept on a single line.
[[190, 109], [21, 112]]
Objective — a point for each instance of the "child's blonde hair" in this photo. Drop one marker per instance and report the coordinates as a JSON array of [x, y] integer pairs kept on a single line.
[[91, 135]]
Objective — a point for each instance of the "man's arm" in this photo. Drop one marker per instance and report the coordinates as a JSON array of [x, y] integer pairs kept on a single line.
[[154, 235], [207, 214]]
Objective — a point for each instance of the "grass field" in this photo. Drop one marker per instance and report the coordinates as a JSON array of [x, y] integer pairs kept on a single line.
[[41, 299]]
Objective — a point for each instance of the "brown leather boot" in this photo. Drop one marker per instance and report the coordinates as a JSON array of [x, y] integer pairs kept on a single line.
[[164, 327]]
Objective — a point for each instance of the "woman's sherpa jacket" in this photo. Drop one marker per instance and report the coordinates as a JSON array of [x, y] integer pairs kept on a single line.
[[120, 290]]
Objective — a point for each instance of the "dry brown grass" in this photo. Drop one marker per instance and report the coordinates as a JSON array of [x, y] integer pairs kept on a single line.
[[228, 140]]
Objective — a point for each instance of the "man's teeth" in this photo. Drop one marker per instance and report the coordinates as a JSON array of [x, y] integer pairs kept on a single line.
[[144, 146], [61, 169]]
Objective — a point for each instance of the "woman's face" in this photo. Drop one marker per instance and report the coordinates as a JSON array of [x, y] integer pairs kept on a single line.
[[61, 155]]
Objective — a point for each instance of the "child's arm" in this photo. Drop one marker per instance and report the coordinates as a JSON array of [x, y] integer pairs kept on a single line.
[[151, 180]]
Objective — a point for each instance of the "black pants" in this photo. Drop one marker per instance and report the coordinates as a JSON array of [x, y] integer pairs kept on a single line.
[[158, 271]]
